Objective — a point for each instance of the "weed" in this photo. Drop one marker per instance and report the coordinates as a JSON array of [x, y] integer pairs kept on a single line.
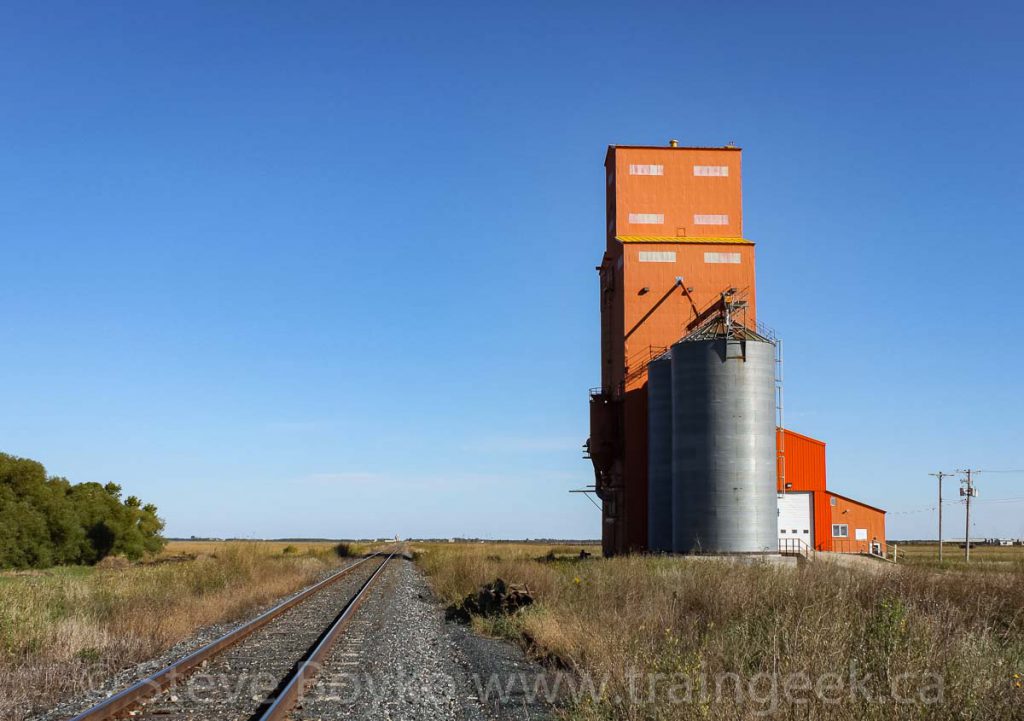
[[948, 641]]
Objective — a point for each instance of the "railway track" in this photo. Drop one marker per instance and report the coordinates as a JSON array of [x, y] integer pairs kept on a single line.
[[258, 671]]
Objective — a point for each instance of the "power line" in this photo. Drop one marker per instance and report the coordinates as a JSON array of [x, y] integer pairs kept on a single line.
[[948, 502], [918, 509], [968, 492], [940, 475]]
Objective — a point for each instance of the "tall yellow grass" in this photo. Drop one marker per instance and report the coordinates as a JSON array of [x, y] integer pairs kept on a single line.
[[627, 623]]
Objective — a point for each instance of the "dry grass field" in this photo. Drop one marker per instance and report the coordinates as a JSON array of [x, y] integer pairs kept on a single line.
[[63, 626], [677, 638], [982, 557], [199, 548]]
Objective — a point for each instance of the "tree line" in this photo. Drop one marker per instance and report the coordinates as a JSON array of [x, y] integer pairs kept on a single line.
[[47, 520]]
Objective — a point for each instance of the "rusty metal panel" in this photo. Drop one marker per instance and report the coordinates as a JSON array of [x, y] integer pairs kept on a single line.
[[659, 455]]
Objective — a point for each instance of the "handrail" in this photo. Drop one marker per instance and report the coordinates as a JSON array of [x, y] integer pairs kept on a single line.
[[638, 361], [796, 547]]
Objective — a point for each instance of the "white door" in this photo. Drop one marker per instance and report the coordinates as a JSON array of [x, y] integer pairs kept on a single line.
[[795, 520]]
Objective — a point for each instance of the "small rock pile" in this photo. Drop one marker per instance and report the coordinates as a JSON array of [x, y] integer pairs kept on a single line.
[[493, 599]]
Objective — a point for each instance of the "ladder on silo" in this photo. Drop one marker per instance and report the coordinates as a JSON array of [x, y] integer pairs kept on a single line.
[[779, 417]]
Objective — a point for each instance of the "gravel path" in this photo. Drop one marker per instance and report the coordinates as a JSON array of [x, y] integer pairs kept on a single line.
[[398, 659]]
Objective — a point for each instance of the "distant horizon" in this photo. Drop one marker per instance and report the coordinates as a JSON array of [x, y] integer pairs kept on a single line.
[[582, 541], [590, 541]]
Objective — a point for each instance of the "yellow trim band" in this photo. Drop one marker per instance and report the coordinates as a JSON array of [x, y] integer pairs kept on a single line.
[[674, 239]]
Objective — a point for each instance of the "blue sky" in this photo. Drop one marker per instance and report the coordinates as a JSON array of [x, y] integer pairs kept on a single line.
[[326, 268]]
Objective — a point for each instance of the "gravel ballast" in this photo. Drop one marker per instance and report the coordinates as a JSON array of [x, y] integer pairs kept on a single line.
[[399, 659]]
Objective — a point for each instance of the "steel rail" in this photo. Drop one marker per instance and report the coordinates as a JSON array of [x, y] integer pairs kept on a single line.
[[169, 675], [286, 699]]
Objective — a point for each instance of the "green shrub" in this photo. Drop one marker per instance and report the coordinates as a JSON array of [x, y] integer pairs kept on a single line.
[[47, 520]]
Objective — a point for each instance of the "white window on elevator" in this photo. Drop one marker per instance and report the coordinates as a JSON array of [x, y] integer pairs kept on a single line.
[[647, 218], [840, 530], [646, 169], [721, 257], [710, 219], [657, 256], [711, 171]]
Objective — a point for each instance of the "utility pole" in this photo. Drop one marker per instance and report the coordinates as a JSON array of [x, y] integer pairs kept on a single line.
[[968, 491], [940, 475]]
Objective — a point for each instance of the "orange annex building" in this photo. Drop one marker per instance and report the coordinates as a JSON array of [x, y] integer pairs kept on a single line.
[[675, 253], [812, 514]]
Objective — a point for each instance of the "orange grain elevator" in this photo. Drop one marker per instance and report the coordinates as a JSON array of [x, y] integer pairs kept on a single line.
[[675, 252]]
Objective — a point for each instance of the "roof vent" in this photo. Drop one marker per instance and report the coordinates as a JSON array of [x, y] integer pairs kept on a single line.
[[673, 143]]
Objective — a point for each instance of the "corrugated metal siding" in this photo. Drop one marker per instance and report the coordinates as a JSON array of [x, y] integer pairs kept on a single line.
[[634, 509], [680, 192], [672, 198], [855, 515], [658, 330], [723, 420], [804, 470], [822, 522], [805, 462]]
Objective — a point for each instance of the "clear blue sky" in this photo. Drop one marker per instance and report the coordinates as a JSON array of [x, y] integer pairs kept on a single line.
[[326, 268]]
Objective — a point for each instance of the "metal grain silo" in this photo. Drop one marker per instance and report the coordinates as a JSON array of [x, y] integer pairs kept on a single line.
[[723, 430], [659, 454]]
